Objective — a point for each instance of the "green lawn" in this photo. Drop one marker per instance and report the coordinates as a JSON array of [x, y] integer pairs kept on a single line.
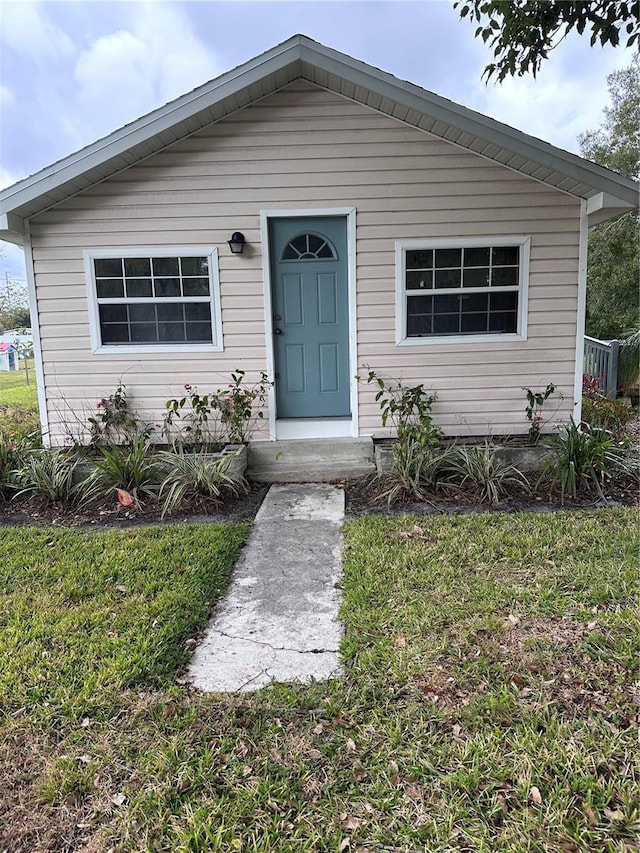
[[14, 390], [487, 702]]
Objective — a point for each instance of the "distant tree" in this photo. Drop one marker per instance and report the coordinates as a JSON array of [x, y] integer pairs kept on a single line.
[[14, 304], [523, 32], [613, 298]]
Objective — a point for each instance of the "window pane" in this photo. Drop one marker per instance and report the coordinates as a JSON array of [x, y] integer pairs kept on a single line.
[[199, 332], [137, 266], [446, 304], [448, 278], [448, 258], [325, 251], [165, 266], [195, 286], [315, 243], [113, 313], [108, 267], [418, 327], [419, 279], [475, 302], [142, 313], [171, 313], [109, 288], [419, 258], [504, 301], [503, 321], [474, 323], [476, 257], [143, 333], [506, 255], [167, 286], [114, 333], [197, 311], [194, 266], [504, 276], [476, 277], [446, 324], [139, 287], [171, 332]]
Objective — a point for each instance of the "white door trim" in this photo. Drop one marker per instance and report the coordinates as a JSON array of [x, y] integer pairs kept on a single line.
[[322, 425]]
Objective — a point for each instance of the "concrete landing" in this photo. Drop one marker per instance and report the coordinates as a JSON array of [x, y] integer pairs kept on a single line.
[[310, 460], [278, 621]]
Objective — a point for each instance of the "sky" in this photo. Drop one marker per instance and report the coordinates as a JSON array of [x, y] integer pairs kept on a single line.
[[72, 72]]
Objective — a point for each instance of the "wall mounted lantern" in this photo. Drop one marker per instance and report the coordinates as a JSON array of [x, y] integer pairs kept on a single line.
[[236, 243]]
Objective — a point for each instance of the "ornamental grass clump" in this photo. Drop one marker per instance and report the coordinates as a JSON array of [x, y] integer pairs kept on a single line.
[[131, 469], [51, 476], [585, 457], [479, 468], [195, 475]]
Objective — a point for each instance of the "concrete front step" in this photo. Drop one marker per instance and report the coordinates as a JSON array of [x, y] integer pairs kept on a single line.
[[320, 460]]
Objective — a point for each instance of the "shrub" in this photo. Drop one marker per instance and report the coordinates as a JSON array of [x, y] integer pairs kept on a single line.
[[408, 409], [130, 469], [584, 456], [50, 475], [114, 421], [613, 415], [416, 470], [18, 424], [194, 475], [533, 409], [492, 477]]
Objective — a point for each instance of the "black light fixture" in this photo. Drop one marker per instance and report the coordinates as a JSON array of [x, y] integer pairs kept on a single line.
[[236, 243]]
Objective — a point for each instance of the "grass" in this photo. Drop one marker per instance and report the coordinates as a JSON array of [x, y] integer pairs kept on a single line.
[[14, 390], [487, 702]]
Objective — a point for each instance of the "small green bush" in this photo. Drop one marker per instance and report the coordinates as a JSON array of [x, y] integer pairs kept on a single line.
[[585, 457], [416, 470], [603, 413], [194, 475], [479, 468]]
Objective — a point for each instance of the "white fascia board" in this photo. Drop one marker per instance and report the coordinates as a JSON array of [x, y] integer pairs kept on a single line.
[[604, 206], [12, 228]]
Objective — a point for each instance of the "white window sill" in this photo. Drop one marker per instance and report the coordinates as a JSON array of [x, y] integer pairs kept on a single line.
[[450, 340], [136, 349]]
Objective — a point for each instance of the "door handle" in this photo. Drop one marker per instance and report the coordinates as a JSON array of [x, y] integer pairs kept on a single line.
[[277, 331]]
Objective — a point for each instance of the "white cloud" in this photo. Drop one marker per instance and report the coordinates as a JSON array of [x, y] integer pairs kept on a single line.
[[28, 30], [126, 73]]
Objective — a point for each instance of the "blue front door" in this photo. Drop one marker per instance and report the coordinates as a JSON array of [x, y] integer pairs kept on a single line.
[[310, 316]]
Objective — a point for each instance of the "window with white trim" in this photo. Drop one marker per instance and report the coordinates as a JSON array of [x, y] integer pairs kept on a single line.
[[154, 299], [462, 289]]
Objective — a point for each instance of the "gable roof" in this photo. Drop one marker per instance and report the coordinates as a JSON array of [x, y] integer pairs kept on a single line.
[[6, 347], [608, 193]]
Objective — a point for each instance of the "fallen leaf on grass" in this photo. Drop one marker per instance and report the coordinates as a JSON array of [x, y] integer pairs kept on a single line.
[[616, 815], [512, 620], [401, 642], [85, 759], [351, 746], [535, 795], [349, 822], [118, 799], [344, 844]]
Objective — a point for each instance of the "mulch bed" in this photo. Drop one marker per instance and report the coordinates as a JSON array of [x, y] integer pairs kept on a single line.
[[362, 498]]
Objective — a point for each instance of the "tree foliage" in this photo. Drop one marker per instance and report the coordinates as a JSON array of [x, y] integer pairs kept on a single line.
[[613, 301], [523, 32]]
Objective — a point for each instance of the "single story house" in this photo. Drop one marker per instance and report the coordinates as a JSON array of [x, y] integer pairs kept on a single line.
[[382, 227], [8, 357]]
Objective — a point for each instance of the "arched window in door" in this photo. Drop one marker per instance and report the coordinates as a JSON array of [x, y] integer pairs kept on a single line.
[[308, 247]]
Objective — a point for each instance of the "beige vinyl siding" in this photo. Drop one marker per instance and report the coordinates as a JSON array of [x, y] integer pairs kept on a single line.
[[304, 147]]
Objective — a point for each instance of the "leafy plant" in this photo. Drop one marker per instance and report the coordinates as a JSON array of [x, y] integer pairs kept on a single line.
[[600, 411], [533, 410], [130, 468], [236, 405], [194, 475], [584, 456], [480, 468], [50, 475], [114, 421], [197, 413], [408, 409]]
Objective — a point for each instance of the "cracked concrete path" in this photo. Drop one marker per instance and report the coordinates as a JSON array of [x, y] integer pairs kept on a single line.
[[278, 620]]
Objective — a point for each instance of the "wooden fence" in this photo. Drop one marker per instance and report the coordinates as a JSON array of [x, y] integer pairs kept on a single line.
[[601, 363]]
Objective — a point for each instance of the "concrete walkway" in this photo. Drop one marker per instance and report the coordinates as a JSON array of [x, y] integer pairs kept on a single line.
[[278, 621]]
